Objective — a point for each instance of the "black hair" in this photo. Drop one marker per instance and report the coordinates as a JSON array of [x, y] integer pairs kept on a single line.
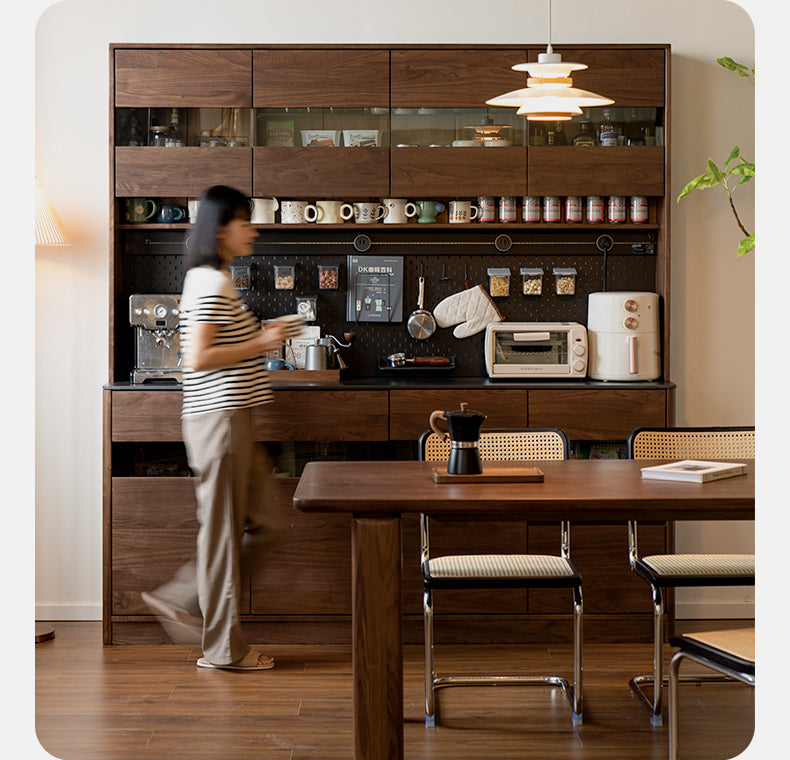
[[219, 205]]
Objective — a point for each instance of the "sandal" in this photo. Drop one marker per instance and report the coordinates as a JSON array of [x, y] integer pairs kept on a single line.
[[254, 660]]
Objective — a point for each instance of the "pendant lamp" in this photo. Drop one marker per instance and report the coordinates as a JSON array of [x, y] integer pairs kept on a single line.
[[49, 228], [549, 94]]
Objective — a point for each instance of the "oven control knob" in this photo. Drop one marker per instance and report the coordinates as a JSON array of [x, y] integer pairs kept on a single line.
[[631, 323], [578, 350], [630, 305], [578, 366]]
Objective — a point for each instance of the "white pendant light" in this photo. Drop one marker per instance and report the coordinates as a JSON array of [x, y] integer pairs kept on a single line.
[[49, 228], [549, 94]]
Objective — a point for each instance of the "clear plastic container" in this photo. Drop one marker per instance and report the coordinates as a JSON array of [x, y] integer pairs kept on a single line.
[[499, 282], [531, 281], [564, 281], [328, 276], [241, 275], [307, 307], [284, 276]]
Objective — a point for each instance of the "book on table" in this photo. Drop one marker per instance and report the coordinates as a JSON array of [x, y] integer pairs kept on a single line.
[[694, 471]]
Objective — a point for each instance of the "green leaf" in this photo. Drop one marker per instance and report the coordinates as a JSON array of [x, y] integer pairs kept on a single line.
[[698, 183], [714, 171], [746, 245], [734, 153], [738, 68]]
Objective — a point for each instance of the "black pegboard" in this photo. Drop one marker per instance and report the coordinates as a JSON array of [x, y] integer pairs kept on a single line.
[[152, 263]]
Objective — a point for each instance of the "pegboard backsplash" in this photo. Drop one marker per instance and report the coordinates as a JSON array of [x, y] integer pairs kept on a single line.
[[152, 263]]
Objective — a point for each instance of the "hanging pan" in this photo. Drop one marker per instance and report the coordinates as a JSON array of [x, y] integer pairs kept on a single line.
[[421, 324]]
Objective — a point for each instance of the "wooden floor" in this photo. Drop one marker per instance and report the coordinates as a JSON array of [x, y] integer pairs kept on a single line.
[[150, 702]]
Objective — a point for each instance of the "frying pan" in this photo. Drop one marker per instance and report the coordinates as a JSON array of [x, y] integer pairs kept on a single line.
[[421, 324]]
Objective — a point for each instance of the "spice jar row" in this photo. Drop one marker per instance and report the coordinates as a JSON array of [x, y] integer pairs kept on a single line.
[[571, 209], [531, 281], [284, 276]]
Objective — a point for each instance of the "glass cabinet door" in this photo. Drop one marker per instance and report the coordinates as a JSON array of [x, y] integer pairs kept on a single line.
[[322, 127]]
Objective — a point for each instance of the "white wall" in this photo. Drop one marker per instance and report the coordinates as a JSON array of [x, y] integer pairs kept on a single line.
[[713, 293]]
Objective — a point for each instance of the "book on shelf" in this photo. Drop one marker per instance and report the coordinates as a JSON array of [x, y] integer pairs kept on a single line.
[[694, 471]]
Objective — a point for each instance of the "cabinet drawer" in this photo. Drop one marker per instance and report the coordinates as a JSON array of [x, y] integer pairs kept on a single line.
[[453, 78], [631, 77], [146, 416], [458, 172], [565, 170], [598, 414], [410, 410], [337, 172], [309, 415], [183, 78], [180, 171], [153, 533], [320, 78]]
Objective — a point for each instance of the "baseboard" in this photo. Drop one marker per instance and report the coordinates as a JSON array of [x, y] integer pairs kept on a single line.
[[54, 612], [714, 611]]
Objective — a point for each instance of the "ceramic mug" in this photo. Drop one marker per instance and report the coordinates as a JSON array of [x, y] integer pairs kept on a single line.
[[328, 212], [486, 205], [367, 213], [428, 211], [462, 212], [274, 364], [138, 210], [292, 212], [169, 214], [193, 205], [398, 209], [262, 210]]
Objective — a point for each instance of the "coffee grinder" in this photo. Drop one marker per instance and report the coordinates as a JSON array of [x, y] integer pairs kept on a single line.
[[157, 346]]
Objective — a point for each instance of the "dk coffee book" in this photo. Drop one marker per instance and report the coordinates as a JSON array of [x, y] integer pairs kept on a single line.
[[694, 471]]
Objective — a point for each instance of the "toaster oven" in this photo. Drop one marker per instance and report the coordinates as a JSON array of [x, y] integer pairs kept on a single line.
[[536, 349]]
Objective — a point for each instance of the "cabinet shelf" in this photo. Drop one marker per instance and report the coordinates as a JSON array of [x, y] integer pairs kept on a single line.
[[415, 226]]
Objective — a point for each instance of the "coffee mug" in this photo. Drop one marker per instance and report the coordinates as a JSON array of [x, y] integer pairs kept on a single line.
[[262, 210], [274, 364], [428, 211], [486, 205], [292, 212], [168, 214], [397, 210], [193, 205], [138, 210], [328, 212], [462, 212], [367, 213]]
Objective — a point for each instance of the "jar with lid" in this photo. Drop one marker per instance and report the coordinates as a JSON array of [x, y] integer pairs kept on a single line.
[[639, 209], [531, 281], [615, 209], [499, 282], [564, 281], [551, 208], [157, 137], [241, 275], [594, 209], [573, 209], [530, 208], [307, 307], [328, 276]]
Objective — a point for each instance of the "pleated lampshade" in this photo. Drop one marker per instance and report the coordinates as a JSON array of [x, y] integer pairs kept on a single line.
[[49, 228]]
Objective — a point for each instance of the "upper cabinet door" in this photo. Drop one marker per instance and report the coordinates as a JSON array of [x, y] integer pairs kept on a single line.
[[323, 78], [454, 78], [630, 76], [184, 77]]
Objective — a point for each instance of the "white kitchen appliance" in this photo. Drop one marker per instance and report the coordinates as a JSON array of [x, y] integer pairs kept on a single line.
[[623, 333], [536, 349]]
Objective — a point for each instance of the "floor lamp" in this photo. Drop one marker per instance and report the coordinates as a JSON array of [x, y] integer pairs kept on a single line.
[[49, 232]]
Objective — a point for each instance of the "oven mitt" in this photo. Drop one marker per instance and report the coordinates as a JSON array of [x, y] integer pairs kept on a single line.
[[473, 308]]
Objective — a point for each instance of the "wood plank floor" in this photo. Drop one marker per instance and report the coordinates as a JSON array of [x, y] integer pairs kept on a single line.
[[150, 702]]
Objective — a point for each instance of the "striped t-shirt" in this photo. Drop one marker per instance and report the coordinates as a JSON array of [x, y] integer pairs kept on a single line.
[[209, 296]]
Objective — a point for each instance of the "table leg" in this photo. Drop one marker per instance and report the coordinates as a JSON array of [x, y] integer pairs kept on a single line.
[[377, 637]]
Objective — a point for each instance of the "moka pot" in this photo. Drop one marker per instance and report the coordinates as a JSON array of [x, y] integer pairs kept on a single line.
[[463, 430]]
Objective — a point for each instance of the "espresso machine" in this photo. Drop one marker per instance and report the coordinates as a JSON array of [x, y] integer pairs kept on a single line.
[[157, 346]]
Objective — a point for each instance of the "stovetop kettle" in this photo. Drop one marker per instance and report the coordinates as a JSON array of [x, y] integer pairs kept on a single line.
[[463, 430]]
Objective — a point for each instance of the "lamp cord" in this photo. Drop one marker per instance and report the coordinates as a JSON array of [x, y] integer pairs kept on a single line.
[[548, 46]]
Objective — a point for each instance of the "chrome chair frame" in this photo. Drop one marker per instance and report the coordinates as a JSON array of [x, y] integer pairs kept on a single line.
[[431, 448], [729, 665], [682, 443]]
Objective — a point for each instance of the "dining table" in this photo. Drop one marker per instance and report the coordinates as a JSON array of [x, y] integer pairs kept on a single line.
[[377, 493]]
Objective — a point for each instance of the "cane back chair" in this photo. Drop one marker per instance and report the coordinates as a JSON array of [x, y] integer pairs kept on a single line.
[[500, 571], [684, 570]]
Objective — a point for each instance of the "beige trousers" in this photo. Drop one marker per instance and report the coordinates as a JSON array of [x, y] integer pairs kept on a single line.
[[236, 525]]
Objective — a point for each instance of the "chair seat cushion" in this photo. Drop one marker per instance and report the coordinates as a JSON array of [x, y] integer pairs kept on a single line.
[[495, 566], [701, 565]]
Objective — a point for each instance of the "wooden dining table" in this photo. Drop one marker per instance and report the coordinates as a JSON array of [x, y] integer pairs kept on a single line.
[[377, 493]]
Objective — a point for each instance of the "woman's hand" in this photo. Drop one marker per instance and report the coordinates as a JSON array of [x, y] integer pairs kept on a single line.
[[205, 355]]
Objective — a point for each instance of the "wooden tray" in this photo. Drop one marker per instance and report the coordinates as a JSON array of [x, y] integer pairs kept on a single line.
[[301, 376], [492, 475]]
